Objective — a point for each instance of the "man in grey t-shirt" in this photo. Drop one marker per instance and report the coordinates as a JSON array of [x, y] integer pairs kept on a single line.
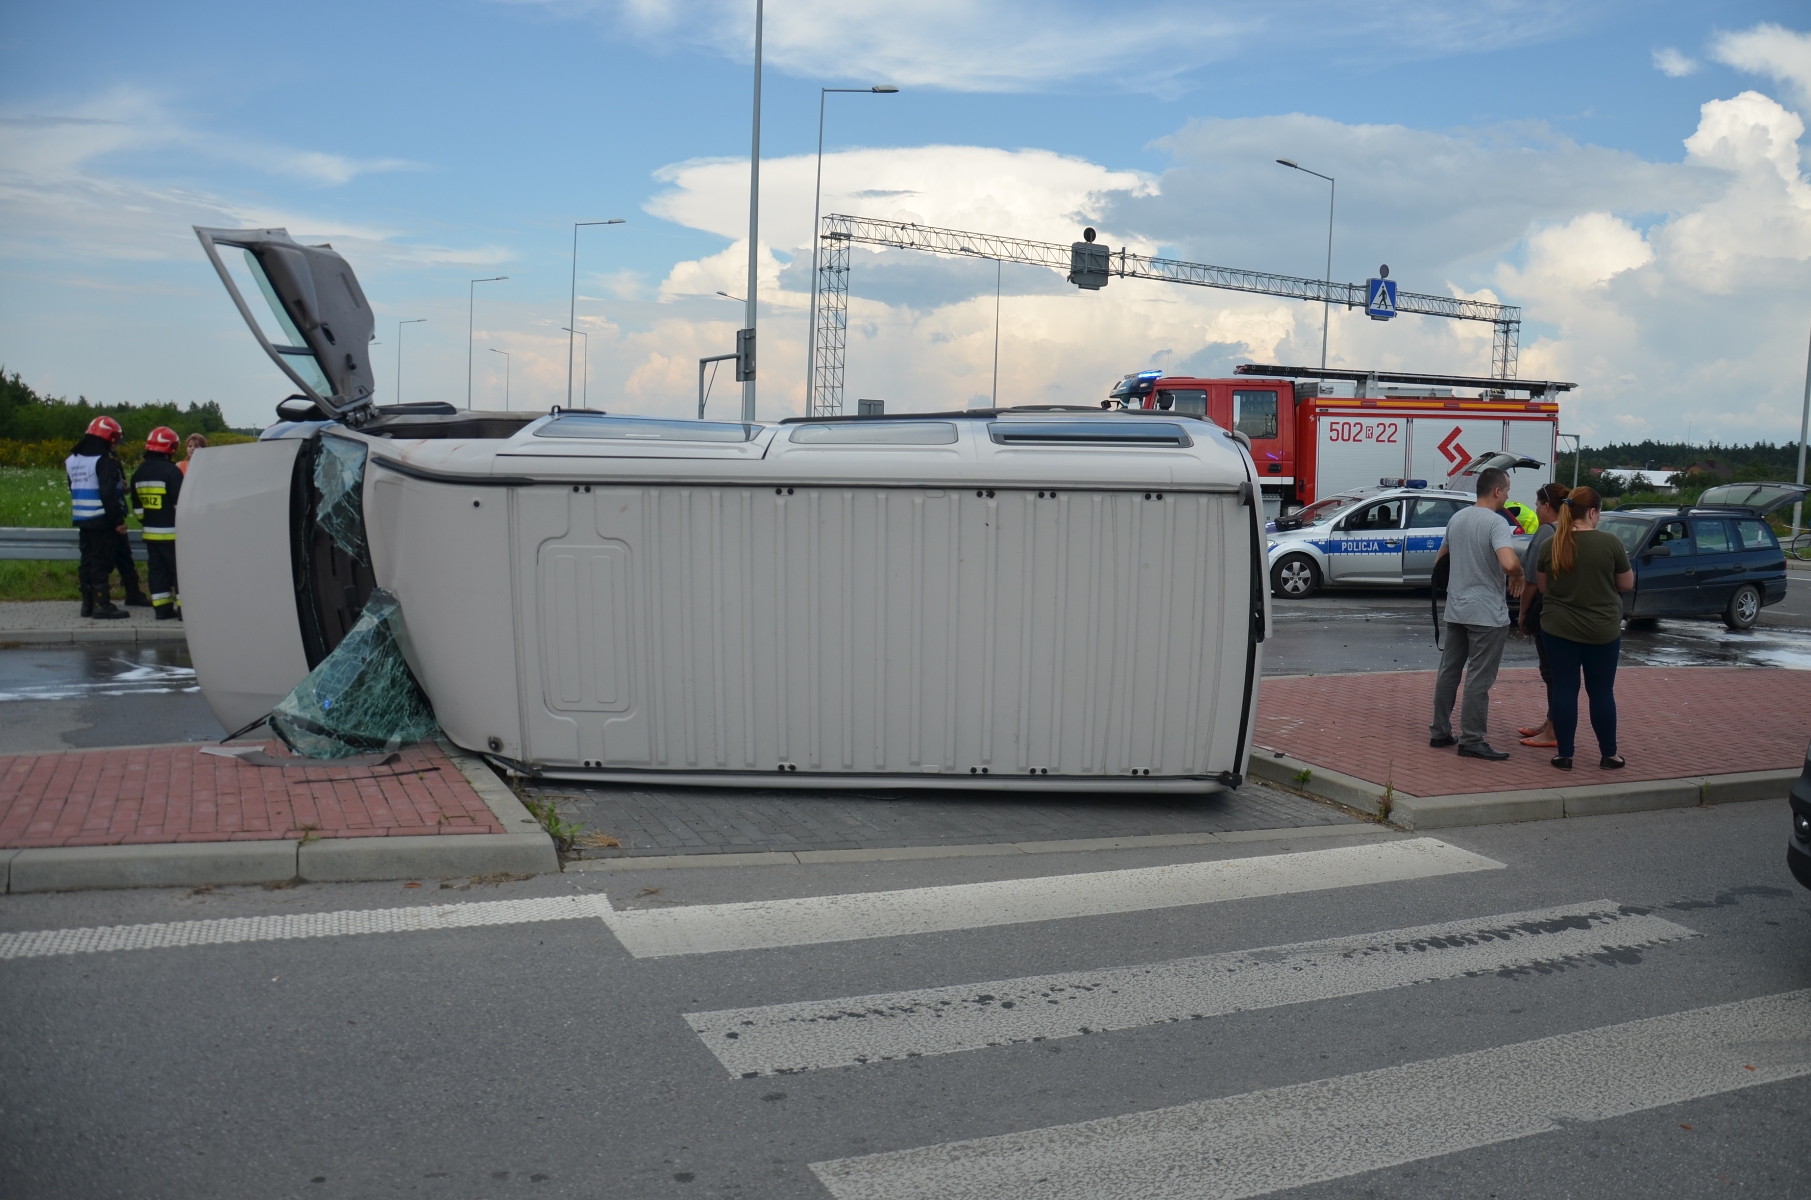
[[1477, 621]]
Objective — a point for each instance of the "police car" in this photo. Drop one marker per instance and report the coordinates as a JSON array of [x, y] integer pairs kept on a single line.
[[1384, 536]]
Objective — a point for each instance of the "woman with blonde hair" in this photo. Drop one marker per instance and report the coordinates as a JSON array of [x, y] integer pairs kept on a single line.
[[1582, 574]]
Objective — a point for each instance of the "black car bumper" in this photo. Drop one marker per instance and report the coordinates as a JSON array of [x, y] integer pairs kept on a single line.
[[1772, 592]]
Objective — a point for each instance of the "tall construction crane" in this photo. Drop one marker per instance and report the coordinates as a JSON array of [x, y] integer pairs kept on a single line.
[[1089, 266]]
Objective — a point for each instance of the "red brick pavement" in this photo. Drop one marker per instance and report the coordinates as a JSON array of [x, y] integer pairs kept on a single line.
[[178, 794], [1673, 723]]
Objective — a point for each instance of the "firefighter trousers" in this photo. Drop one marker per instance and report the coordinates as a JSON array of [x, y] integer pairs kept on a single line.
[[97, 558], [162, 570]]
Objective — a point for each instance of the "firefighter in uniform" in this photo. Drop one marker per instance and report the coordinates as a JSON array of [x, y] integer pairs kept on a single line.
[[98, 510], [155, 487]]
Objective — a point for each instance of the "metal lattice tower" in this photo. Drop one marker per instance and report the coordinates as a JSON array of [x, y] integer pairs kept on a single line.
[[832, 324], [841, 231]]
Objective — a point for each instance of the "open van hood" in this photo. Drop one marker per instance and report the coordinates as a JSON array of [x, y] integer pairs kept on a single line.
[[319, 322]]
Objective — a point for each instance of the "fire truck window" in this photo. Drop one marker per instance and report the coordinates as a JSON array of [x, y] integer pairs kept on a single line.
[[1184, 400], [1254, 414]]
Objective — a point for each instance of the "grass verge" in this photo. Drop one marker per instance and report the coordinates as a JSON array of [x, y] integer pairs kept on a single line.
[[26, 579]]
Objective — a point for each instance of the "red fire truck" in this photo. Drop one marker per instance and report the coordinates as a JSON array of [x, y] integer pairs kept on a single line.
[[1395, 426]]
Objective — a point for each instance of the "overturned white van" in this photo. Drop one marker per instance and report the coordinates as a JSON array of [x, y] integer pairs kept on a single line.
[[1063, 600]]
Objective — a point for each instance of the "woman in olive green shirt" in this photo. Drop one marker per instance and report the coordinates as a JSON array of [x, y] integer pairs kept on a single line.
[[1582, 575]]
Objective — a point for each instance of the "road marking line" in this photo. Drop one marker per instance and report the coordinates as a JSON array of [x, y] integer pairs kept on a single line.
[[1289, 1137], [787, 1038], [712, 928], [168, 934]]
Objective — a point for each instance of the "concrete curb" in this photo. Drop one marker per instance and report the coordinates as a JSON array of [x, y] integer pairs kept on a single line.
[[179, 864], [525, 850], [789, 858], [1544, 804], [105, 631]]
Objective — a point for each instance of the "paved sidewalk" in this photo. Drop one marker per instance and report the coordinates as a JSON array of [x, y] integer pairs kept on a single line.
[[36, 621], [692, 821], [182, 794], [1689, 734], [177, 815]]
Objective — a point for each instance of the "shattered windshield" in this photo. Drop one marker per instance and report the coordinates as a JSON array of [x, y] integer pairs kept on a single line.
[[363, 696]]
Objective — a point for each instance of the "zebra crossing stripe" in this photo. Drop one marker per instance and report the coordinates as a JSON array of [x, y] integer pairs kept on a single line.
[[1287, 1137], [788, 1038], [763, 924], [168, 934]]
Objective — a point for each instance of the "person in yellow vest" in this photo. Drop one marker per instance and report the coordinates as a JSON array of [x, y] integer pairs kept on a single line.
[[1524, 517], [156, 485]]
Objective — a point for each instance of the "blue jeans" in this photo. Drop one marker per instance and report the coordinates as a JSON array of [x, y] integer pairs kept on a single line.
[[1598, 665]]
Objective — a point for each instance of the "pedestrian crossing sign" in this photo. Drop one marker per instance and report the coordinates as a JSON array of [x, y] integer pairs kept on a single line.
[[1380, 299]]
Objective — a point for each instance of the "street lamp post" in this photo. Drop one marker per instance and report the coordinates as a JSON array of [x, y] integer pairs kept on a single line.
[[1326, 305], [399, 325], [505, 355], [572, 304], [1804, 424], [585, 396], [885, 89], [754, 221], [471, 307]]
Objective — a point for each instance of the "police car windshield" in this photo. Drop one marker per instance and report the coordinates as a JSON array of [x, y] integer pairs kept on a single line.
[[1322, 511]]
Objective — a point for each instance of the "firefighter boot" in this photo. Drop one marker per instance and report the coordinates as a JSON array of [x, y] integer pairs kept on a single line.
[[105, 611], [87, 602], [135, 596], [168, 612]]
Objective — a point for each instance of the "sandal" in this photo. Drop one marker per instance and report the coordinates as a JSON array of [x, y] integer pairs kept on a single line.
[[1612, 764], [1530, 740], [1530, 730], [1564, 764]]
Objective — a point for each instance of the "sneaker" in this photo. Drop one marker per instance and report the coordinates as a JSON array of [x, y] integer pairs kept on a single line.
[[107, 613], [139, 601], [1483, 750], [1442, 741]]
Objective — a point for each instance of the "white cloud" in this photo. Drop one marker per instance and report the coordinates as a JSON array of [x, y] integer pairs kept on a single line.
[[1023, 45], [1772, 50], [1669, 61], [1668, 291]]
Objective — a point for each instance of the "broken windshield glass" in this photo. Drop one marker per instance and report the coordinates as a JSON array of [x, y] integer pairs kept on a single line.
[[363, 697], [339, 476]]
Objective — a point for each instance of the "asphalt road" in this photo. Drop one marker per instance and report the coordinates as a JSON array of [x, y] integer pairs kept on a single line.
[[1618, 1010]]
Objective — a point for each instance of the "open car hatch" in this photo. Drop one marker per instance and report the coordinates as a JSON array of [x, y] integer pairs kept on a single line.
[[319, 322], [1758, 498]]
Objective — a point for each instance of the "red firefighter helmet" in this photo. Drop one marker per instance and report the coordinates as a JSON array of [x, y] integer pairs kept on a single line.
[[162, 440], [106, 427]]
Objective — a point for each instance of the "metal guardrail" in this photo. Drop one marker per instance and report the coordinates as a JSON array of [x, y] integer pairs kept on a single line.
[[54, 545]]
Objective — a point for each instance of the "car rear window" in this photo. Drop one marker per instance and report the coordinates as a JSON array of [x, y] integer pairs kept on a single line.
[[1105, 431], [1756, 536]]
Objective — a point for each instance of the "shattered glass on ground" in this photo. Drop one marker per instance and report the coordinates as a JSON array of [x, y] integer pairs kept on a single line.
[[363, 696]]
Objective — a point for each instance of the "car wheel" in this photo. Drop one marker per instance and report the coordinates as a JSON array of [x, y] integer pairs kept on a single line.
[[1744, 608], [1295, 577]]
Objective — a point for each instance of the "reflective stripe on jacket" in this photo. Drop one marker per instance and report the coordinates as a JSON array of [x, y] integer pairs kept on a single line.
[[156, 489]]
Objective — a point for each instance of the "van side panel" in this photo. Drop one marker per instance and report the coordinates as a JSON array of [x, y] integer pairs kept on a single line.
[[904, 631], [235, 560]]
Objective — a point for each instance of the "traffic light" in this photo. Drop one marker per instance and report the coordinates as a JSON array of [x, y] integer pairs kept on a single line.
[[1088, 263], [745, 355]]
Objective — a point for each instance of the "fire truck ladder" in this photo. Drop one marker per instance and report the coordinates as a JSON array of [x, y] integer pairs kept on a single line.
[[839, 232]]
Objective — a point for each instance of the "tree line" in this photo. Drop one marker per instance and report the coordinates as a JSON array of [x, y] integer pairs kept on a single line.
[[25, 416]]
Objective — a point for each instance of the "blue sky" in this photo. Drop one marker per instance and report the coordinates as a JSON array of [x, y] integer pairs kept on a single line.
[[1628, 172]]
